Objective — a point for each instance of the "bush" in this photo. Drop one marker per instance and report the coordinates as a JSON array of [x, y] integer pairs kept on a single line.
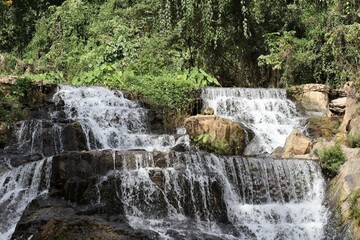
[[354, 209], [26, 92], [22, 87], [10, 109], [354, 140], [331, 158]]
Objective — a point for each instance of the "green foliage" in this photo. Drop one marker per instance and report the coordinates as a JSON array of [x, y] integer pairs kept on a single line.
[[22, 87], [343, 43], [8, 63], [291, 56], [105, 74], [17, 22], [354, 206], [26, 92], [165, 50], [323, 47], [169, 94], [207, 142], [10, 108], [331, 158], [354, 140]]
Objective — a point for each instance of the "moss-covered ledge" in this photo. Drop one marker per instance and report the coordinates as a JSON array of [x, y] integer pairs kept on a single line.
[[216, 134]]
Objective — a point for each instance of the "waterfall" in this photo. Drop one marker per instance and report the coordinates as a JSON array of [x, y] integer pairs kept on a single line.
[[197, 194], [267, 112], [109, 120], [18, 187], [179, 195]]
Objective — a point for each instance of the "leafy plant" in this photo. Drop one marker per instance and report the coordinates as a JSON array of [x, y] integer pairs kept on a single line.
[[105, 74], [331, 158], [170, 94], [26, 92], [354, 206], [22, 87], [354, 140], [10, 109]]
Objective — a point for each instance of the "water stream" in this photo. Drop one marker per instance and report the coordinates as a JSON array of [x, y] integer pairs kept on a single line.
[[194, 195], [267, 112]]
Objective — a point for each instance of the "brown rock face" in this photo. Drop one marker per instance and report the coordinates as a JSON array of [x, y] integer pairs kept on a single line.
[[315, 97], [325, 127], [351, 112], [338, 105], [216, 134], [342, 187], [296, 144]]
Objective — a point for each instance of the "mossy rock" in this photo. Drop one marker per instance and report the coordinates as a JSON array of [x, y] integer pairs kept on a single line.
[[4, 130], [215, 134], [323, 127]]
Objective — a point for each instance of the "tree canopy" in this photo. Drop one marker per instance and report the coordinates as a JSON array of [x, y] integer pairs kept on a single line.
[[140, 45]]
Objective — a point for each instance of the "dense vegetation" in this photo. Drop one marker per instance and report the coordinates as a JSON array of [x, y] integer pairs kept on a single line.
[[331, 159], [163, 50]]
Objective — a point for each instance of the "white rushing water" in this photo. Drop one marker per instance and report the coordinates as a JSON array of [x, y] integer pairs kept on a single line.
[[200, 195], [109, 120], [267, 112], [18, 187], [189, 195]]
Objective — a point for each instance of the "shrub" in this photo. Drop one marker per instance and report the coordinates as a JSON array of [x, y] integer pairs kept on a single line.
[[25, 91], [331, 158], [354, 140], [354, 209], [22, 87], [10, 109]]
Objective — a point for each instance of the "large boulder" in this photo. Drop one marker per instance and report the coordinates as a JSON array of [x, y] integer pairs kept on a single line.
[[216, 134], [338, 105], [351, 110], [296, 144], [312, 97], [342, 188]]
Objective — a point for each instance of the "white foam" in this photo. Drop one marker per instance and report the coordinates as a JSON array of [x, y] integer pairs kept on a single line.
[[267, 112], [109, 120]]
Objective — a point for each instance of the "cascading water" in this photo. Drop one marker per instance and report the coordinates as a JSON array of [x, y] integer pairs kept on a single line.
[[18, 187], [267, 112], [110, 120], [190, 195], [201, 196]]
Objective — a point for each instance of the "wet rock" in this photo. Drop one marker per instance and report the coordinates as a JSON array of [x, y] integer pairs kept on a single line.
[[63, 221], [32, 140], [160, 160], [277, 152], [216, 134], [74, 138], [181, 147]]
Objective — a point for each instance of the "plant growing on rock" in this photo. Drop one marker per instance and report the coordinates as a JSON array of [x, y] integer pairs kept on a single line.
[[354, 140], [354, 209], [331, 158], [26, 91]]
